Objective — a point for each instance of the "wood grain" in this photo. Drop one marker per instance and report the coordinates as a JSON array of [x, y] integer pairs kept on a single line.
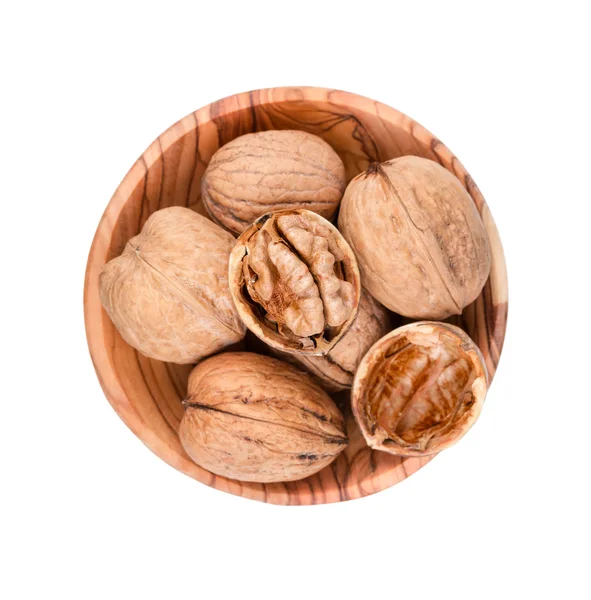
[[146, 393]]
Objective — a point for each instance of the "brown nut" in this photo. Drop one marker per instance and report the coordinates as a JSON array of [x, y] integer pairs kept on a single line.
[[421, 245], [255, 418], [269, 171], [295, 281], [168, 294], [335, 370], [419, 389]]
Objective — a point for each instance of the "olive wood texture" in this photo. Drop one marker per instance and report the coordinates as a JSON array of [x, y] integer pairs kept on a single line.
[[146, 393]]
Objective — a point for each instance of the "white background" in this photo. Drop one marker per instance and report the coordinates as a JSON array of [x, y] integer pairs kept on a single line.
[[86, 510]]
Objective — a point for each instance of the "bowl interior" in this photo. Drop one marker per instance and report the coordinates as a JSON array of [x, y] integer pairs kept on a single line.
[[147, 393]]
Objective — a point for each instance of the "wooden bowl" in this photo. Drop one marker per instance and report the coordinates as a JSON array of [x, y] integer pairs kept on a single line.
[[147, 393]]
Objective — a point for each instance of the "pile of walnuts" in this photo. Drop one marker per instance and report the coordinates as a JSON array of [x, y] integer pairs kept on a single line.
[[320, 300]]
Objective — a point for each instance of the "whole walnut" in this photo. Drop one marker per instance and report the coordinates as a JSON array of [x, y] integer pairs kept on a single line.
[[269, 171], [421, 245], [335, 370], [168, 293], [419, 389], [295, 281], [255, 418]]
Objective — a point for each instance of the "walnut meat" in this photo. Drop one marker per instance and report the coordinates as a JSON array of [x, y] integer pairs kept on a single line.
[[255, 418], [269, 171], [419, 389], [295, 281], [335, 370], [421, 245], [168, 293]]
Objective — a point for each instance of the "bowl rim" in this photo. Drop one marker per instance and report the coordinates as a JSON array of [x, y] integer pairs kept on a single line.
[[93, 311]]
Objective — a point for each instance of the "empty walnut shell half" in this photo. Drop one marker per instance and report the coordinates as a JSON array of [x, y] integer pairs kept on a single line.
[[255, 418], [269, 171], [168, 293], [419, 389], [295, 281], [421, 245], [335, 371]]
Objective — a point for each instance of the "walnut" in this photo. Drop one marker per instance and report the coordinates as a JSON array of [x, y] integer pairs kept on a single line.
[[335, 370], [421, 245], [419, 389], [269, 171], [255, 418], [168, 294], [295, 281]]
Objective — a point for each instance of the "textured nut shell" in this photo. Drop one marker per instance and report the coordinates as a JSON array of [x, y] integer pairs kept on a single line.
[[255, 418], [419, 389], [335, 371], [312, 310], [168, 294], [421, 245], [269, 171]]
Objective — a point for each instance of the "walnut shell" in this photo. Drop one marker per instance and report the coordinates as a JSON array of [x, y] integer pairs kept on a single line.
[[255, 418], [295, 281], [335, 371], [419, 389], [421, 245], [269, 171], [168, 294]]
